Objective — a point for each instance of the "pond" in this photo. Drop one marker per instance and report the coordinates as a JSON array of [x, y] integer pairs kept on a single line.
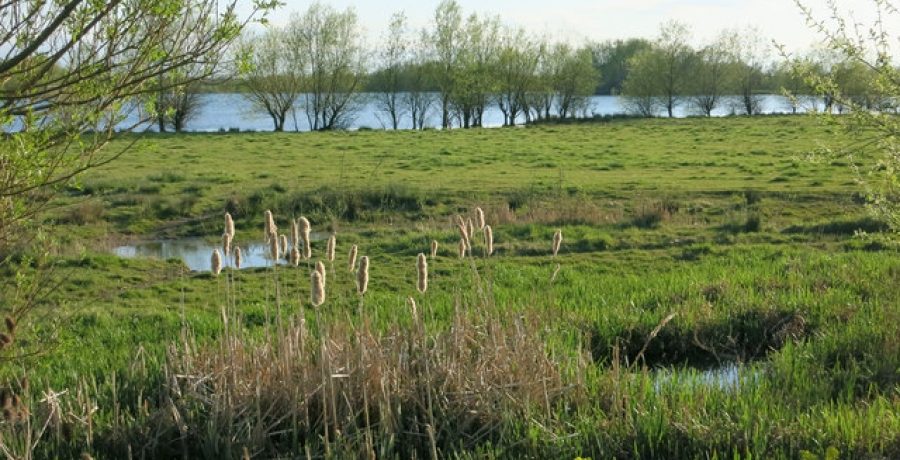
[[726, 377], [196, 252]]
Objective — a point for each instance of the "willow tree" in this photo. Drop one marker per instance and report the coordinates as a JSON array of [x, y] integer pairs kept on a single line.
[[74, 73], [871, 112]]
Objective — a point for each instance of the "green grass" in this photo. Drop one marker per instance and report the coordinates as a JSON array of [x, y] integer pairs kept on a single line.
[[689, 244]]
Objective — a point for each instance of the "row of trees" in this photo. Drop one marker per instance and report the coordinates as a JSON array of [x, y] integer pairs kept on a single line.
[[736, 69], [457, 68], [315, 70]]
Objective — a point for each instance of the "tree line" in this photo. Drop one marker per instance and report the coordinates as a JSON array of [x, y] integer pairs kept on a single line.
[[455, 70], [318, 70]]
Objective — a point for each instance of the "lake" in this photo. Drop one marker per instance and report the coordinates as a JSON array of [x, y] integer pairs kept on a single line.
[[232, 111]]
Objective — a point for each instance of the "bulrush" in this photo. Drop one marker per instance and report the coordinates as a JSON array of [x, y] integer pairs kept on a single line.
[[305, 229], [320, 267], [295, 256], [352, 257], [295, 234], [329, 248], [216, 262], [434, 248], [479, 218], [488, 240], [464, 234], [362, 275], [270, 223], [462, 248], [283, 247], [557, 241], [226, 243], [237, 257], [413, 309], [229, 224], [273, 246], [422, 269], [318, 289]]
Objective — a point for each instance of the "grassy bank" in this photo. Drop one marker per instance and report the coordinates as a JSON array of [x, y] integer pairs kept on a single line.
[[689, 246]]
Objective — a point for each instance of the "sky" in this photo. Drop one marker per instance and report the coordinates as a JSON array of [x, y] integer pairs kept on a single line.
[[578, 21]]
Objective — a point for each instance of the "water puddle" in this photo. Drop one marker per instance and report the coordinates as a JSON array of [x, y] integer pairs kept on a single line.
[[196, 252], [727, 377]]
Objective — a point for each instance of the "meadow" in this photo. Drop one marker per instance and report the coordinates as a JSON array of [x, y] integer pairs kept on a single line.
[[720, 291]]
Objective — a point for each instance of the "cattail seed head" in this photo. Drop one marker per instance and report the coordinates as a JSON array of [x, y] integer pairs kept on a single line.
[[330, 247], [362, 275], [464, 234], [352, 257], [295, 234], [305, 228], [422, 269], [320, 267], [283, 247], [318, 289], [434, 248], [295, 256], [488, 240], [479, 218], [412, 308], [462, 248], [226, 243], [216, 262], [10, 324], [557, 241], [270, 223], [237, 257], [273, 246], [229, 224]]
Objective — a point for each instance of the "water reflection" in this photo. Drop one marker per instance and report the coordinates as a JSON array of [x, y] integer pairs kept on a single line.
[[196, 252]]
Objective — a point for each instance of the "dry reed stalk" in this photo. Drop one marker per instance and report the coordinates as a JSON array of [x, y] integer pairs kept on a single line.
[[216, 262], [352, 257], [462, 248], [471, 229], [320, 267], [229, 224], [422, 269], [295, 256], [460, 220], [317, 297], [362, 275], [283, 247], [488, 240], [434, 248], [330, 247], [479, 218], [557, 241], [237, 257], [226, 243]]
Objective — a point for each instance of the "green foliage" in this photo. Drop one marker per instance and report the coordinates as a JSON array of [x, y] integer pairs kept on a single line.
[[860, 82]]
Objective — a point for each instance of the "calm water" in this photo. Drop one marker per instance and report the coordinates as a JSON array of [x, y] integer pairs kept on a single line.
[[196, 252], [223, 111], [727, 377]]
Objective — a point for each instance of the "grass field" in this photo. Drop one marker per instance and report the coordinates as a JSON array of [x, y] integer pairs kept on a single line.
[[710, 299]]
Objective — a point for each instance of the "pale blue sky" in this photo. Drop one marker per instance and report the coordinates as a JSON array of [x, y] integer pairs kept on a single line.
[[580, 20]]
